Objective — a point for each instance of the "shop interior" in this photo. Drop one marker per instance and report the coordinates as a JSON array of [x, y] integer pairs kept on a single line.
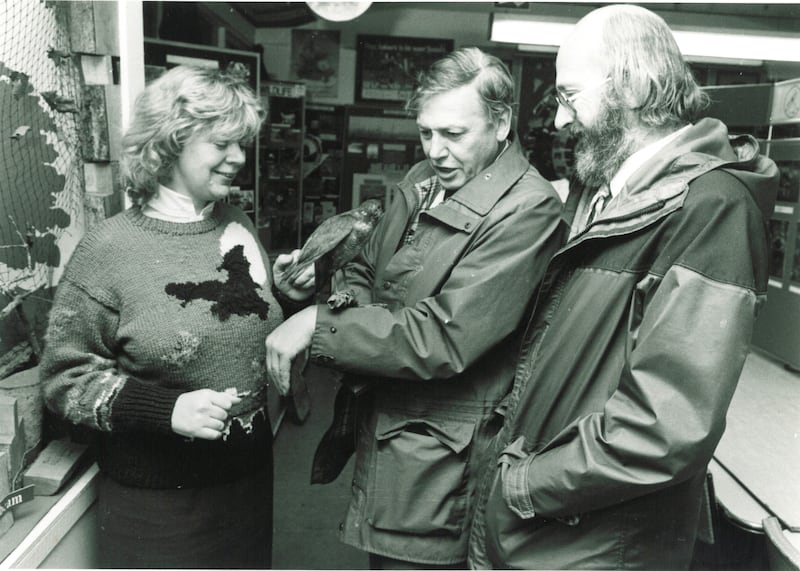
[[333, 78]]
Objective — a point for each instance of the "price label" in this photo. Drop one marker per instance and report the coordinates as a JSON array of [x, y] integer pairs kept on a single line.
[[16, 498]]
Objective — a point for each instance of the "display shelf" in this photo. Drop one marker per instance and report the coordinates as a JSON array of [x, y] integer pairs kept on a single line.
[[322, 156], [281, 166], [381, 146]]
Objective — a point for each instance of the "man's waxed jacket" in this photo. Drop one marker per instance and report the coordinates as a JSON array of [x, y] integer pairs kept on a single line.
[[435, 335], [628, 365]]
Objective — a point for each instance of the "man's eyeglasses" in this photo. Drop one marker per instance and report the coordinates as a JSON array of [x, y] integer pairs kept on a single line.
[[568, 101]]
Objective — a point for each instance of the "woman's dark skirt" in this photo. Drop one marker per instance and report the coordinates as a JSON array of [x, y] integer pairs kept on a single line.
[[222, 527]]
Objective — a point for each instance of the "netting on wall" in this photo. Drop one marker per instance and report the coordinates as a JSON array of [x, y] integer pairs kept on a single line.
[[41, 176]]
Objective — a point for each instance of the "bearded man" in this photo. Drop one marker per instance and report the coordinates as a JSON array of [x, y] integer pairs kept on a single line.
[[643, 319]]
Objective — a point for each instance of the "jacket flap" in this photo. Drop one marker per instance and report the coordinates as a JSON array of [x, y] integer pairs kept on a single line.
[[460, 219], [454, 434]]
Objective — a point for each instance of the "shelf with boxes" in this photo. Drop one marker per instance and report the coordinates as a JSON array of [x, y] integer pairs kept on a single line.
[[281, 166], [381, 144], [323, 155]]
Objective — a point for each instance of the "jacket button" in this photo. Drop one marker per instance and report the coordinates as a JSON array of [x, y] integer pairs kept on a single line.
[[333, 330], [487, 176], [341, 526], [467, 225], [387, 285]]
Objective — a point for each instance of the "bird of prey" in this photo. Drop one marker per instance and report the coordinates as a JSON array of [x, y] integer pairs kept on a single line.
[[335, 242]]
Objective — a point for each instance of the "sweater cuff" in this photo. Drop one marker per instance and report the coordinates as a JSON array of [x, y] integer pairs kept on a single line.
[[141, 406]]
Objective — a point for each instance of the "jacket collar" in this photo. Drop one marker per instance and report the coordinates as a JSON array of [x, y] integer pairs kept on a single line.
[[659, 186], [703, 147], [703, 143], [487, 187], [641, 157]]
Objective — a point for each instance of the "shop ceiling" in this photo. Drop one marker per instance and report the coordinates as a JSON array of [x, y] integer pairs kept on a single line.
[[785, 16]]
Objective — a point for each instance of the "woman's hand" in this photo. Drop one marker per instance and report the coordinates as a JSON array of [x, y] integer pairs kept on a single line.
[[302, 286], [286, 342], [203, 413]]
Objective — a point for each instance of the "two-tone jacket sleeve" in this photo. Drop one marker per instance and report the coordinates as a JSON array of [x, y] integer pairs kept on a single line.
[[690, 330], [480, 302], [80, 377]]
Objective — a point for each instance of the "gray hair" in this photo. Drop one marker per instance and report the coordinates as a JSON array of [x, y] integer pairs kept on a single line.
[[645, 61], [463, 67]]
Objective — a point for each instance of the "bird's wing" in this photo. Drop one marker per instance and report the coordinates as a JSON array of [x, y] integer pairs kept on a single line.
[[325, 238]]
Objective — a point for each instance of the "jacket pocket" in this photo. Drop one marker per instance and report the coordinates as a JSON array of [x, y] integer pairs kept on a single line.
[[419, 483]]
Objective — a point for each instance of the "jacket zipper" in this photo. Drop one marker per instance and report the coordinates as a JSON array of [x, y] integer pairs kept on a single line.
[[554, 292], [658, 205]]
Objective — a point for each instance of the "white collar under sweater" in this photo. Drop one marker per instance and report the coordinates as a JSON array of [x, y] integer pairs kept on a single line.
[[174, 207]]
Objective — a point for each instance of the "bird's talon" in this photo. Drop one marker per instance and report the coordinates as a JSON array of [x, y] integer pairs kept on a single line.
[[342, 299]]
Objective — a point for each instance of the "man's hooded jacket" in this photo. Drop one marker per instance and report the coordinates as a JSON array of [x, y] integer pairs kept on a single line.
[[628, 365]]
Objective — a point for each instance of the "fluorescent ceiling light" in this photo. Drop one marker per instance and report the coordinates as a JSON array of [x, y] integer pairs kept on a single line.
[[532, 31], [527, 30]]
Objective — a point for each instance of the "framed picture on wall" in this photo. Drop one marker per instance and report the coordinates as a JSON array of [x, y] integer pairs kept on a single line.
[[315, 61], [387, 67]]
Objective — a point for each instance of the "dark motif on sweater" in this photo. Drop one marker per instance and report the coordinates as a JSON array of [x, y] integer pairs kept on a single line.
[[238, 295]]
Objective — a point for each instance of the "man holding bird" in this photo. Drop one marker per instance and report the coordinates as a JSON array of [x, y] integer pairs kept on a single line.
[[427, 352]]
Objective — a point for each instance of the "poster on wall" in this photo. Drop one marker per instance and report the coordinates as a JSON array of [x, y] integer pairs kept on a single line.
[[387, 67], [315, 61]]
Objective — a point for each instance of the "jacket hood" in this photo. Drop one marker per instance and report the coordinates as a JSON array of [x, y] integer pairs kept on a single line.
[[707, 143]]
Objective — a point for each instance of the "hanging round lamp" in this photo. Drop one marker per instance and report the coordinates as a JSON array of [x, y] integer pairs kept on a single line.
[[338, 11]]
